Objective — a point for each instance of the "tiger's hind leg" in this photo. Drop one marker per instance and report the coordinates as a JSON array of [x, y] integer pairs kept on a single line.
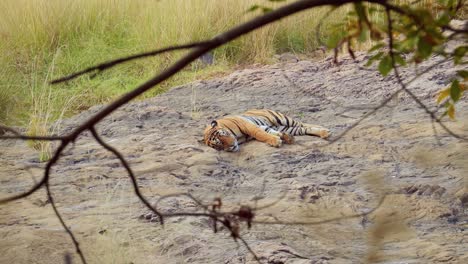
[[306, 129], [316, 130], [285, 137], [295, 128]]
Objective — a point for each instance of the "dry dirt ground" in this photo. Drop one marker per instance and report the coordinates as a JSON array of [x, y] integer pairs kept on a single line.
[[394, 152]]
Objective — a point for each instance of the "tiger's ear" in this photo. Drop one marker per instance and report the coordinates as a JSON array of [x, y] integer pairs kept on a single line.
[[214, 124]]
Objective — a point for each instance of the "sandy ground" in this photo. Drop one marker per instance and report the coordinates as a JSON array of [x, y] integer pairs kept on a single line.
[[394, 152]]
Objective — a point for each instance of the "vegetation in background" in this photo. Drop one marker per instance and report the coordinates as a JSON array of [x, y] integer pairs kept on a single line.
[[416, 34], [45, 39], [80, 33]]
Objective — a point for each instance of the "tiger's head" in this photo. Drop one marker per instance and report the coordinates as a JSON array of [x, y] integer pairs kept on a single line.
[[220, 138]]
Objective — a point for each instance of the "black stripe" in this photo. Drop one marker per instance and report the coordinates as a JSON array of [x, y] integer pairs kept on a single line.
[[260, 122], [276, 118], [287, 120], [284, 117], [231, 131], [294, 131], [254, 120], [303, 130], [215, 134]]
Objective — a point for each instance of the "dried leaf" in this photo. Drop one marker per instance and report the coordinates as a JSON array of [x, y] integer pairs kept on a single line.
[[451, 111], [442, 95]]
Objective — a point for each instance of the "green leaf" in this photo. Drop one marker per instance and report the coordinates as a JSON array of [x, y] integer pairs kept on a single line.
[[377, 46], [455, 91], [450, 3], [334, 39], [408, 44], [360, 11], [459, 53], [385, 65], [424, 48], [463, 74], [373, 58], [253, 8], [424, 16], [444, 19], [363, 34], [399, 59]]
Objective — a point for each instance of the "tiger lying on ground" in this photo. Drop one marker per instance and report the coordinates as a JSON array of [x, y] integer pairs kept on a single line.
[[264, 125]]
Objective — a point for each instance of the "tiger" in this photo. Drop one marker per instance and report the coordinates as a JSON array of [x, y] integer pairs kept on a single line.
[[264, 125]]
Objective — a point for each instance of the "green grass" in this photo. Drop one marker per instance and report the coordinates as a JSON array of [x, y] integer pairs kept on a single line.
[[69, 35], [45, 39]]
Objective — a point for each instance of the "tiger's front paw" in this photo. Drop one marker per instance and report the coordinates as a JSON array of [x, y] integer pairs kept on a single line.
[[287, 138], [275, 142], [324, 133]]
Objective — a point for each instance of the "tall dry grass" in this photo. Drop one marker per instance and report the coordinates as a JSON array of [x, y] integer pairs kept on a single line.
[[78, 33], [90, 31]]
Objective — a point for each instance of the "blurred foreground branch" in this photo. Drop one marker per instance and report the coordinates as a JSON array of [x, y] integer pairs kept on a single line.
[[231, 220]]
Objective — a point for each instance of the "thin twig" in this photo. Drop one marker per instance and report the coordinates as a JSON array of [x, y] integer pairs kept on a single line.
[[434, 132], [136, 189], [384, 102], [109, 64], [60, 218], [334, 219], [18, 135], [43, 180], [404, 86], [198, 202], [198, 49], [279, 199], [246, 245], [39, 138]]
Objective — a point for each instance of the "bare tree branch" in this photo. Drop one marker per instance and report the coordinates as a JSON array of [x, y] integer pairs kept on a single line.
[[109, 64], [246, 245], [44, 179], [18, 135], [230, 219], [191, 197], [136, 189], [60, 218], [334, 219], [404, 86], [384, 102]]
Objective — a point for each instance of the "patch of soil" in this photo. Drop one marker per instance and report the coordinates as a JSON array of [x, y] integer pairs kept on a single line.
[[395, 152]]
